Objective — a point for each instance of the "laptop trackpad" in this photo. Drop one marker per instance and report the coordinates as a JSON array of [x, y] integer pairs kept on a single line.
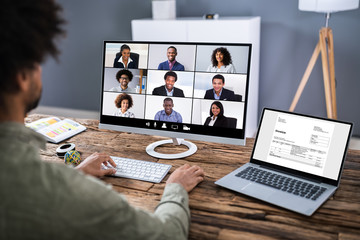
[[258, 190]]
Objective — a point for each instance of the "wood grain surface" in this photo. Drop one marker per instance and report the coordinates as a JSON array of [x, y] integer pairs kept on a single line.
[[218, 213]]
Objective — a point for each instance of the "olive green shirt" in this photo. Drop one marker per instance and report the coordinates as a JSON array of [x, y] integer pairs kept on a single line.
[[44, 200]]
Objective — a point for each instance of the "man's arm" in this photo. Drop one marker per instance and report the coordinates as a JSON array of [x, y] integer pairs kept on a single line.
[[111, 216], [209, 94], [178, 92], [179, 118], [161, 66], [230, 95], [179, 67], [156, 91], [157, 116], [181, 181], [86, 207]]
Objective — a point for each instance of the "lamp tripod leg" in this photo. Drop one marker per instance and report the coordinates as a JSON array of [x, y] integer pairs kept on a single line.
[[305, 77], [332, 72], [325, 67], [326, 47]]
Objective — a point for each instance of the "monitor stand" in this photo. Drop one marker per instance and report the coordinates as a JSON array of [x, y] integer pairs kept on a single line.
[[150, 149]]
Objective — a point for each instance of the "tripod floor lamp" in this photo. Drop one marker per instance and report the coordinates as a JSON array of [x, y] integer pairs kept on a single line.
[[325, 46]]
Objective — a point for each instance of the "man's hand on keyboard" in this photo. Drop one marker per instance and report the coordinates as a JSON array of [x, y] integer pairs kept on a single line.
[[92, 165], [187, 176]]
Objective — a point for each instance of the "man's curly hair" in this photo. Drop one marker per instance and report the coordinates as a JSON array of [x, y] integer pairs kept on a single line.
[[28, 30]]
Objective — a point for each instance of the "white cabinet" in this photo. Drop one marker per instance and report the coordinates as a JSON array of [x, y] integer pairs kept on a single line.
[[223, 30]]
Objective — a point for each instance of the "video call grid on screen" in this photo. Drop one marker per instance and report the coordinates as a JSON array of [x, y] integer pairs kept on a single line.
[[194, 80]]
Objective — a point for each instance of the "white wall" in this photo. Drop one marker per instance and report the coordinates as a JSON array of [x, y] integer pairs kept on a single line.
[[288, 38]]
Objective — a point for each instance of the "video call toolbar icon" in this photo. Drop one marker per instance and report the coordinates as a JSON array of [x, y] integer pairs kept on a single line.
[[186, 128]]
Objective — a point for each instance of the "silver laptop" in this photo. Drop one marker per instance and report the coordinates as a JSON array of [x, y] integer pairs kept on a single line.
[[296, 161]]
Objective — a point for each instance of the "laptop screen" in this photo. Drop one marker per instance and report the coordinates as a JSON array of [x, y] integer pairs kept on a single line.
[[311, 145]]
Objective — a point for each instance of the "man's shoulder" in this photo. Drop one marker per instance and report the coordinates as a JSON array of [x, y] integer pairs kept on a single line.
[[178, 116], [178, 92], [177, 113], [160, 112], [178, 89], [115, 89], [14, 135], [178, 66], [163, 65], [129, 90], [209, 91], [209, 94], [158, 89], [227, 91]]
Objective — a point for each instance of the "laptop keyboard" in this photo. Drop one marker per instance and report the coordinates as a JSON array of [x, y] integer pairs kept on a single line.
[[283, 183]]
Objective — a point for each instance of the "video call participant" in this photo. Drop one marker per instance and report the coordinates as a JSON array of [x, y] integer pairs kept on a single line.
[[123, 76], [168, 114], [168, 89], [171, 63], [123, 59], [218, 92], [124, 102], [46, 200], [217, 118], [221, 61]]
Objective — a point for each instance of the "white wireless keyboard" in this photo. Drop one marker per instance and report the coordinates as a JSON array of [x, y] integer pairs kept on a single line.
[[140, 170]]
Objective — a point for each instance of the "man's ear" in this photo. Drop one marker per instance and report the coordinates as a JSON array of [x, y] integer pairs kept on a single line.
[[23, 80], [25, 77]]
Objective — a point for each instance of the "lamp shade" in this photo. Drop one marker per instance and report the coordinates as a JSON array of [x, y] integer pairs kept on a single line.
[[328, 6]]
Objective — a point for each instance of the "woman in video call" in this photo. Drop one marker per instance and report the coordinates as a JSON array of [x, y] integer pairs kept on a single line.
[[217, 118], [124, 102], [221, 61], [123, 60]]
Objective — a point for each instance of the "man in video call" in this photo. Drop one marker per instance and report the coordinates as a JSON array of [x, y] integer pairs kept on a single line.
[[168, 114], [47, 200], [168, 89], [171, 63], [218, 92], [123, 76]]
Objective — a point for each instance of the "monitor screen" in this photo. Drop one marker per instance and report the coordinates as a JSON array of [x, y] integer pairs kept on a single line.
[[179, 90]]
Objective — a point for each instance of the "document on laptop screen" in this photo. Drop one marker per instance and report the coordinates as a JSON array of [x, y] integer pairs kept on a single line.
[[310, 145], [300, 143]]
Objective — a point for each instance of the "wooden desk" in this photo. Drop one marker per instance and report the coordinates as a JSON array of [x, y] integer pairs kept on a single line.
[[217, 213]]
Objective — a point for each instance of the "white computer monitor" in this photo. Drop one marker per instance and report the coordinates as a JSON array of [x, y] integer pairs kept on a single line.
[[141, 94]]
